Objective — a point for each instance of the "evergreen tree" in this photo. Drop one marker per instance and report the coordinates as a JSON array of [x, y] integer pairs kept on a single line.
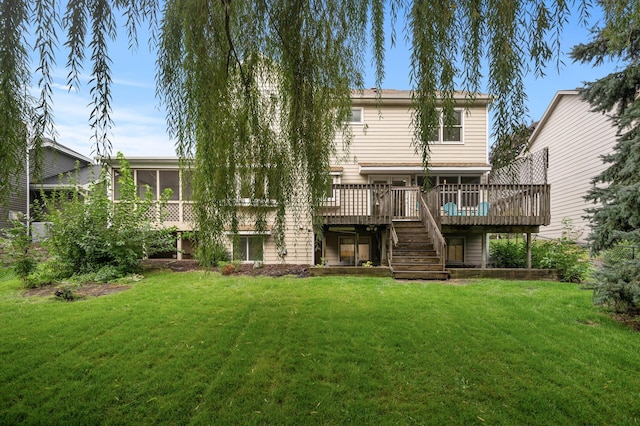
[[616, 190]]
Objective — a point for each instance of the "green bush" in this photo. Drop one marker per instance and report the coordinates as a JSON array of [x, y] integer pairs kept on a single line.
[[563, 254], [109, 273], [208, 255], [508, 253], [16, 242], [95, 235], [569, 259], [49, 272]]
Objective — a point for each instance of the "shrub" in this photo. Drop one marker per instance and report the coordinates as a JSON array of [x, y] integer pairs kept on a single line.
[[109, 273], [228, 269], [569, 259], [49, 272], [563, 254], [17, 244], [208, 255], [95, 235], [508, 254]]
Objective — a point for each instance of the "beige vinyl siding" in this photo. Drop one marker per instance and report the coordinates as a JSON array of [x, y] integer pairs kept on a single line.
[[386, 137], [298, 237], [473, 250], [576, 138]]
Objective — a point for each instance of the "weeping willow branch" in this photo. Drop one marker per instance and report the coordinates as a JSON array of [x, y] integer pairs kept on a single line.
[[258, 91]]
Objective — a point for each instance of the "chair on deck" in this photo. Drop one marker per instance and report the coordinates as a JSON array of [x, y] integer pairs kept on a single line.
[[483, 208], [450, 209]]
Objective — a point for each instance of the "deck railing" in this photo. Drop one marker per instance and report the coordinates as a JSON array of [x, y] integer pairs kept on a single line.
[[491, 204], [358, 204], [467, 204], [368, 204], [429, 222]]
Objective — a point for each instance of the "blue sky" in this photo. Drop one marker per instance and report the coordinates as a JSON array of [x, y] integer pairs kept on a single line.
[[140, 128]]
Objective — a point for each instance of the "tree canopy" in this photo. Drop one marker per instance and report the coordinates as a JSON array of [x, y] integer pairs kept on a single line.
[[264, 85]]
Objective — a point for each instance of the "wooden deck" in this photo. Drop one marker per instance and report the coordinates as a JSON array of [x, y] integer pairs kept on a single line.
[[464, 206]]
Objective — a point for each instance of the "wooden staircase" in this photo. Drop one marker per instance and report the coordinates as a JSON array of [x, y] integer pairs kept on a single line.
[[414, 257]]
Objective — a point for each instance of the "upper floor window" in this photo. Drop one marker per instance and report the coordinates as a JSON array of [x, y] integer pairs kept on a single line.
[[450, 132], [357, 116]]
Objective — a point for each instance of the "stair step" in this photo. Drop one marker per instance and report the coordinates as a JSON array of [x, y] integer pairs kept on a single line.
[[417, 267], [410, 260], [421, 275], [407, 224], [404, 247]]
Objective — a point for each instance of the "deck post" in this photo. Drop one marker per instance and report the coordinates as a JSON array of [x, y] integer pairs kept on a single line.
[[179, 246], [483, 265], [528, 250]]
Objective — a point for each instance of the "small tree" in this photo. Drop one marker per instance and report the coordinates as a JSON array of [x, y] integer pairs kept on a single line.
[[17, 243], [91, 233]]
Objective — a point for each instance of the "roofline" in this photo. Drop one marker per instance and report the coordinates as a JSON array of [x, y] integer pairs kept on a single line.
[[169, 161], [406, 96], [547, 113], [46, 142]]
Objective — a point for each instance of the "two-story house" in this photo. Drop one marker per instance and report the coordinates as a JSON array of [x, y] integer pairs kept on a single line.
[[383, 208]]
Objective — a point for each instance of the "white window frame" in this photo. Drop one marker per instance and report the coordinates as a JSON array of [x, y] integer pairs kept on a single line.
[[249, 237], [351, 121], [441, 127]]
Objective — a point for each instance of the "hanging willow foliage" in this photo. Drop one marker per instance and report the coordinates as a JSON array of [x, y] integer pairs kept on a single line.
[[257, 90]]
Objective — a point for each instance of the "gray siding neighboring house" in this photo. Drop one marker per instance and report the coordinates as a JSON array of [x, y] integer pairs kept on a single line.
[[57, 160], [576, 138]]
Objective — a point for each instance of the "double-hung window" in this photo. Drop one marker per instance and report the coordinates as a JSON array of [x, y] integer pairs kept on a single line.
[[449, 130]]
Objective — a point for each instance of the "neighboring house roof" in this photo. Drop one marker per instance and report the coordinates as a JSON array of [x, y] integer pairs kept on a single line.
[[66, 150], [576, 137], [58, 162], [84, 175], [549, 111]]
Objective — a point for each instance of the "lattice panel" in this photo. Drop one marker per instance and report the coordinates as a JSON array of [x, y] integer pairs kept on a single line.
[[172, 212], [188, 213], [531, 169]]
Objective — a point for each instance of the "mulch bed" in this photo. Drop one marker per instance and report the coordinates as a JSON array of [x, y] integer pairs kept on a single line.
[[87, 289], [278, 270]]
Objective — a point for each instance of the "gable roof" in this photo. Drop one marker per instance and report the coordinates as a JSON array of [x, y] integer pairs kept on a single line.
[[50, 143], [549, 111]]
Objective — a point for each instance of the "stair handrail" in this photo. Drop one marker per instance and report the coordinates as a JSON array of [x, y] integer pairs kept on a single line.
[[393, 240], [439, 243]]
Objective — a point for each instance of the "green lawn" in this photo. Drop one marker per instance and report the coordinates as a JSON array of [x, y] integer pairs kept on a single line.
[[204, 349]]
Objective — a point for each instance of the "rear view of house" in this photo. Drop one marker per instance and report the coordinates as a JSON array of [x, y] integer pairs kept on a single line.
[[383, 209]]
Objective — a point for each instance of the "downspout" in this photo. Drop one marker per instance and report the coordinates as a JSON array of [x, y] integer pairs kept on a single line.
[[28, 217]]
